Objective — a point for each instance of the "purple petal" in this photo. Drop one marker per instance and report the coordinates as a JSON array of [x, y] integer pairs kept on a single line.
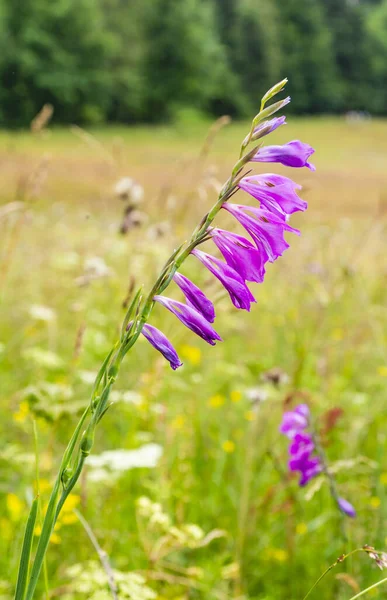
[[191, 318], [266, 127], [301, 445], [292, 423], [309, 474], [195, 297], [162, 344], [292, 154], [303, 462], [302, 409], [240, 294], [241, 255], [266, 228], [275, 192], [346, 507]]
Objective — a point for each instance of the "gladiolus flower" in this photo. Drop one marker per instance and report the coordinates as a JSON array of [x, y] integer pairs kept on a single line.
[[162, 344], [266, 228], [265, 128], [294, 423], [275, 192], [191, 318], [195, 297], [240, 254], [240, 294], [292, 154]]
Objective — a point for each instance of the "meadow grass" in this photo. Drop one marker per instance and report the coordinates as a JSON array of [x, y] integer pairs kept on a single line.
[[320, 318]]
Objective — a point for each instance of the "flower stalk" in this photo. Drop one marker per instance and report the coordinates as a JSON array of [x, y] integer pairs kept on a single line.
[[267, 231]]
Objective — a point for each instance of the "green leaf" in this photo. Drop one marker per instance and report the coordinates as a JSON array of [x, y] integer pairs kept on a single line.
[[26, 552]]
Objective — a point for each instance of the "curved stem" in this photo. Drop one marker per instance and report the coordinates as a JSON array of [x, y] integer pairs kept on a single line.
[[108, 373]]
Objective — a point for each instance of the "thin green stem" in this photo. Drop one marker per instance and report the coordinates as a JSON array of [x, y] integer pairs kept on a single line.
[[372, 587], [50, 516], [367, 550], [40, 515], [99, 402]]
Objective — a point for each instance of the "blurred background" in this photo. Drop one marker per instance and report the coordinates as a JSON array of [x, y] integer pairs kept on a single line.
[[129, 61], [120, 120]]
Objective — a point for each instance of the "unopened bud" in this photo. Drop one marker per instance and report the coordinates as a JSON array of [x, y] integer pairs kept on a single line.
[[276, 89], [87, 442], [270, 110]]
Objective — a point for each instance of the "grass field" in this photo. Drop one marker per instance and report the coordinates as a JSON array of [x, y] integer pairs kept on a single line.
[[209, 431]]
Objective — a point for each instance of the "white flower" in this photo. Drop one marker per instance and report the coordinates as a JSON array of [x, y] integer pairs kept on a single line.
[[137, 193], [146, 456], [41, 313], [123, 187]]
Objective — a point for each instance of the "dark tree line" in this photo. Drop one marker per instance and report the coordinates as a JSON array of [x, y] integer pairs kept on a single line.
[[143, 60]]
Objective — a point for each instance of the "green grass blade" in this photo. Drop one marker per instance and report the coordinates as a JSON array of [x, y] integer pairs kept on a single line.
[[26, 552]]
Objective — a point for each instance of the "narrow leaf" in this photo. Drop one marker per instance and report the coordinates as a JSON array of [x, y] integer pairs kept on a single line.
[[26, 552]]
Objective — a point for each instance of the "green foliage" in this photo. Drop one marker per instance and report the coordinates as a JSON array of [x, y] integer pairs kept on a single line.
[[127, 61]]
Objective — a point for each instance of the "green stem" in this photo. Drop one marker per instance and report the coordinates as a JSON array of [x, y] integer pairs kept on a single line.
[[341, 559], [40, 516], [108, 373], [372, 587], [50, 516]]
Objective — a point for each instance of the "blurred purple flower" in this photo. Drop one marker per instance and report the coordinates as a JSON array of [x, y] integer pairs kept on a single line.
[[239, 293], [266, 228], [302, 446], [195, 297], [191, 318], [275, 192], [292, 154], [240, 254], [162, 344], [346, 507]]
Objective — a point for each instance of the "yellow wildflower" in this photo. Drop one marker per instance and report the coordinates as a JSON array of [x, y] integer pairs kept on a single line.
[[178, 422], [15, 506], [44, 485], [301, 528], [228, 446], [21, 415], [382, 370], [236, 396], [55, 538], [71, 503], [375, 502], [69, 518], [250, 415], [192, 354], [278, 554], [216, 401]]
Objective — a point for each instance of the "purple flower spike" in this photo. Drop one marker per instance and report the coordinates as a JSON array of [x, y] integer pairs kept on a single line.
[[275, 192], [346, 507], [162, 344], [241, 255], [266, 228], [240, 294], [302, 447], [195, 297], [292, 154], [191, 318]]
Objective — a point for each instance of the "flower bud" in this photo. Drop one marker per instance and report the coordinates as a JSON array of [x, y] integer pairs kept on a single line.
[[276, 89]]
